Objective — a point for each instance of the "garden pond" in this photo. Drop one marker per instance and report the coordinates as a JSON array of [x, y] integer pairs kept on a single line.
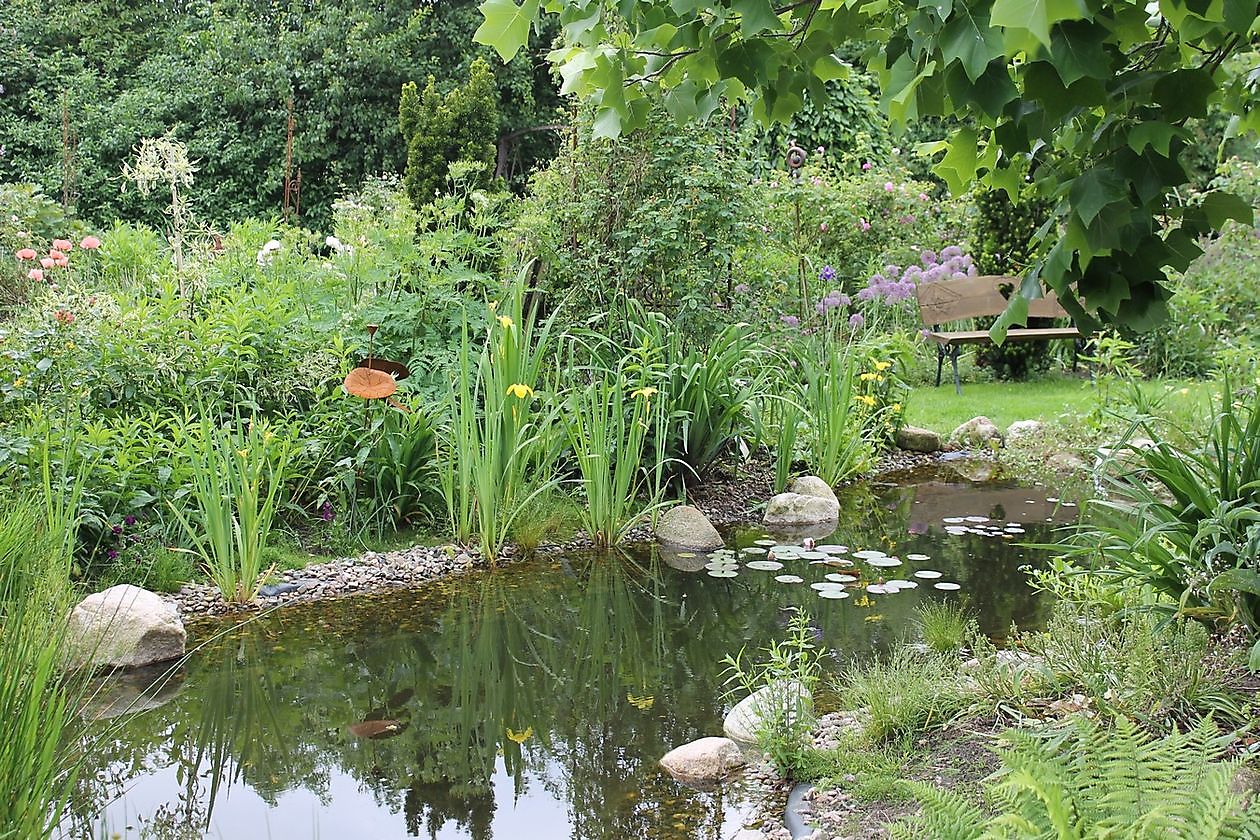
[[533, 700]]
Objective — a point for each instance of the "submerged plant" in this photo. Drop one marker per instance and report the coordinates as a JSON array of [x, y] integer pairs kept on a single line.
[[236, 485]]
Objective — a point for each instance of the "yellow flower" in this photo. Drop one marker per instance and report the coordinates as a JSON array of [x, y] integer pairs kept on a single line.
[[520, 391], [522, 736], [494, 306], [867, 377], [646, 393], [896, 407], [867, 400], [883, 365], [505, 322], [19, 382]]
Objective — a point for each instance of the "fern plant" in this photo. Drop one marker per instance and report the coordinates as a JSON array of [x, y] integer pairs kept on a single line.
[[1088, 781]]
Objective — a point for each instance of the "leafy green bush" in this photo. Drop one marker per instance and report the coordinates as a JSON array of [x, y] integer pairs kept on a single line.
[[1091, 780]]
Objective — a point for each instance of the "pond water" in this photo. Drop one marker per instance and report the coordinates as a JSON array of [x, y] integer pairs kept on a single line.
[[534, 700]]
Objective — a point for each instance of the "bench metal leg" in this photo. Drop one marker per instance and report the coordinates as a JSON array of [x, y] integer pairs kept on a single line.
[[953, 358], [940, 362]]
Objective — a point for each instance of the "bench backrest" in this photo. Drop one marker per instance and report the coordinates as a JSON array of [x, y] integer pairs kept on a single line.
[[973, 297]]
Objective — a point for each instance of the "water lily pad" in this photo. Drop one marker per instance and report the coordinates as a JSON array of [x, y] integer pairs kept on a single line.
[[833, 549], [976, 518], [879, 589], [869, 554], [835, 577], [953, 520], [927, 574], [766, 542], [723, 573], [838, 562], [813, 555], [956, 530], [902, 584], [946, 586], [833, 594], [918, 558], [884, 562], [789, 578], [820, 586], [764, 565], [754, 550]]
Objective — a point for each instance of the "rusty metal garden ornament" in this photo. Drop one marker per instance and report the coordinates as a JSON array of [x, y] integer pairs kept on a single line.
[[375, 379], [796, 157]]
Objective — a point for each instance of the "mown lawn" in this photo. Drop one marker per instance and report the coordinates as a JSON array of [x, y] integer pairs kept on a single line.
[[1052, 398]]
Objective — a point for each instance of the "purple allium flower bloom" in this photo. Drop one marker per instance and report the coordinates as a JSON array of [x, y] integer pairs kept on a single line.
[[844, 300], [790, 320], [951, 252], [889, 186], [864, 225], [928, 257], [925, 333], [923, 196], [828, 273], [856, 320], [112, 554], [129, 520]]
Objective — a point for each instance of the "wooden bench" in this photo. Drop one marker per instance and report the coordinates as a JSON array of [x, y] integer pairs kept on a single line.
[[973, 297]]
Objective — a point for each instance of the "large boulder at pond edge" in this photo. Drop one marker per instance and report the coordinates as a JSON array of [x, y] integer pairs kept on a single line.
[[976, 433], [1024, 429], [808, 501], [125, 627], [703, 760], [915, 439], [685, 526], [779, 700]]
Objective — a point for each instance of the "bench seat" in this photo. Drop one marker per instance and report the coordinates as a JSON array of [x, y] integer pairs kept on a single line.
[[1013, 334]]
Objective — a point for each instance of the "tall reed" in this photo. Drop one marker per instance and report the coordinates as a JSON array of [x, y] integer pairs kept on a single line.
[[839, 443], [609, 420], [37, 701], [236, 485], [499, 451]]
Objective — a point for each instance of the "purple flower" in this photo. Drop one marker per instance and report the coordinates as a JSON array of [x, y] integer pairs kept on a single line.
[[129, 520], [822, 227], [889, 186], [822, 150], [928, 257], [864, 225], [866, 167], [790, 320], [112, 554], [117, 529], [828, 273], [925, 333], [856, 320], [326, 512], [923, 196], [951, 252]]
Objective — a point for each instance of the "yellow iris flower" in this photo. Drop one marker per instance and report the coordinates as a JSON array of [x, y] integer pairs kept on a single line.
[[505, 322], [522, 736], [646, 393], [520, 391]]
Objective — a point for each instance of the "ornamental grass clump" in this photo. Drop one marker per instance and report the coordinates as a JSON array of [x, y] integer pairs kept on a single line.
[[236, 484], [609, 423], [499, 452]]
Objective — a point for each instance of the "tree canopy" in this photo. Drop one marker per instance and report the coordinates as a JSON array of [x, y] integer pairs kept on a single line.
[[1090, 101]]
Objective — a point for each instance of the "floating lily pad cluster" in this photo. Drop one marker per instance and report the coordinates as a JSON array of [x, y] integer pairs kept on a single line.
[[771, 556], [982, 526]]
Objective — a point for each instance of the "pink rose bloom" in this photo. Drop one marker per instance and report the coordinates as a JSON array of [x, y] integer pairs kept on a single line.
[[90, 243], [888, 186], [62, 244], [35, 274], [26, 254], [55, 254], [63, 262], [63, 316], [866, 167], [47, 262]]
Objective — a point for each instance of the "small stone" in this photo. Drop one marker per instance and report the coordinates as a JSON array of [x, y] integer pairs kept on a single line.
[[976, 433], [1024, 429], [705, 759], [916, 439]]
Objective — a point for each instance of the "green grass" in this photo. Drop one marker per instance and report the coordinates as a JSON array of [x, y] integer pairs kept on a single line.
[[1047, 399]]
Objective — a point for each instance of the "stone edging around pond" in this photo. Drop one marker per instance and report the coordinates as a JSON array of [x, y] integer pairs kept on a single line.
[[733, 501]]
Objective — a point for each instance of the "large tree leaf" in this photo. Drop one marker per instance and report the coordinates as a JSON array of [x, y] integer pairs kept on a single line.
[[1220, 207], [506, 26], [1093, 190], [756, 16], [1184, 93], [1036, 16], [968, 39], [1076, 48]]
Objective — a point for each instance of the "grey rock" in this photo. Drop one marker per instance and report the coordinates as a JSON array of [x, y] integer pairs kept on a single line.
[[783, 699], [796, 509], [131, 692], [812, 485], [976, 433], [1066, 462], [1024, 429], [705, 759], [682, 559], [124, 627], [916, 439], [686, 526]]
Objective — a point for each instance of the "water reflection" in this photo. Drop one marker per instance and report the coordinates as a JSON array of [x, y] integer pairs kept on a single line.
[[532, 701]]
